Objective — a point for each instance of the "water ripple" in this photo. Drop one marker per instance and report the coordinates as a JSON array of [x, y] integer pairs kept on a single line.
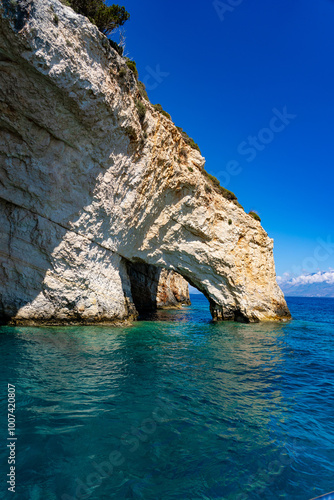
[[175, 408]]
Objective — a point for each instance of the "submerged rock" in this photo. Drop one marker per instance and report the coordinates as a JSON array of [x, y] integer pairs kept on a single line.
[[90, 188]]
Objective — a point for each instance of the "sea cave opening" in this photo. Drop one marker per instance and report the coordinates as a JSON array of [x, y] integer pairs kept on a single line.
[[156, 290]]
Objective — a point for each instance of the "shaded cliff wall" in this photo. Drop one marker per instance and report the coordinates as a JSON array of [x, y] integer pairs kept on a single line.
[[155, 288]]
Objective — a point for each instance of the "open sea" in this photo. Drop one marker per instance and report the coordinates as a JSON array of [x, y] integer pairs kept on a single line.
[[173, 408]]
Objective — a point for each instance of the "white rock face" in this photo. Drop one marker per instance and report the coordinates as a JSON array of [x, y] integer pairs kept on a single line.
[[86, 188]]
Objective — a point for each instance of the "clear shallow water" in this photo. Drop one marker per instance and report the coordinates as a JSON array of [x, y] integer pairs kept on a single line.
[[176, 408]]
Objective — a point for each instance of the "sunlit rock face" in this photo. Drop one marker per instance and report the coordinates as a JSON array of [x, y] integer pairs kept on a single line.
[[87, 187]]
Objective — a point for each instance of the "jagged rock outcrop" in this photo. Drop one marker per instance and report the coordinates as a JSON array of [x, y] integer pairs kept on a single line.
[[87, 188]]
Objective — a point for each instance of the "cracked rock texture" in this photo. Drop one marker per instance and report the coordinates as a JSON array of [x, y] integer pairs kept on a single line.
[[89, 193]]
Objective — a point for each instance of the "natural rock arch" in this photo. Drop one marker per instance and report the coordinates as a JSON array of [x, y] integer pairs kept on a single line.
[[86, 186]]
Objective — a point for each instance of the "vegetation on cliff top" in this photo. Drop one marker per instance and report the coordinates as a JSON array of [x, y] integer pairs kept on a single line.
[[132, 66], [109, 18], [188, 140], [141, 110], [159, 108], [106, 18], [225, 192], [254, 215]]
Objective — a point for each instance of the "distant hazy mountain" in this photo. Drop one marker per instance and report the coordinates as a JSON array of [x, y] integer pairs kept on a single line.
[[319, 284]]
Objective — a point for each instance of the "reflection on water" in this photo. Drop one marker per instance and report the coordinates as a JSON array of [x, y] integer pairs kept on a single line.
[[178, 407]]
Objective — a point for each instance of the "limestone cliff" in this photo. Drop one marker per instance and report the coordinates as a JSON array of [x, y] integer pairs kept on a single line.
[[88, 190]]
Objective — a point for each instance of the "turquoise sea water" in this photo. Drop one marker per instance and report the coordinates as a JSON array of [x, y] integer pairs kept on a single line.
[[175, 408]]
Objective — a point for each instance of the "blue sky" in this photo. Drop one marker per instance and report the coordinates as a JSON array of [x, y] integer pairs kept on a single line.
[[224, 73]]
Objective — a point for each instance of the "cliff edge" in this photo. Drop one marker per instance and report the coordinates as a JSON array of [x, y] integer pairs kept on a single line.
[[91, 188]]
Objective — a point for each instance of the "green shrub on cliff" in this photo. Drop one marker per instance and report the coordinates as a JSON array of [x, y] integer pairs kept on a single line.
[[119, 49], [132, 65], [106, 18], [142, 90], [212, 178], [161, 110], [225, 192], [141, 110], [122, 73], [188, 140], [254, 215]]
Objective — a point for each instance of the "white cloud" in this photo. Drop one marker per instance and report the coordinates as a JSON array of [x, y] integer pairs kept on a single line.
[[306, 279]]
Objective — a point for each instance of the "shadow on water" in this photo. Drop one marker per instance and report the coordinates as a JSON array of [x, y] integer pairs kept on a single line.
[[199, 310]]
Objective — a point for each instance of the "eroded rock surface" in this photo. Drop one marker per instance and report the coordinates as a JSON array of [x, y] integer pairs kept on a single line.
[[87, 188], [173, 290]]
